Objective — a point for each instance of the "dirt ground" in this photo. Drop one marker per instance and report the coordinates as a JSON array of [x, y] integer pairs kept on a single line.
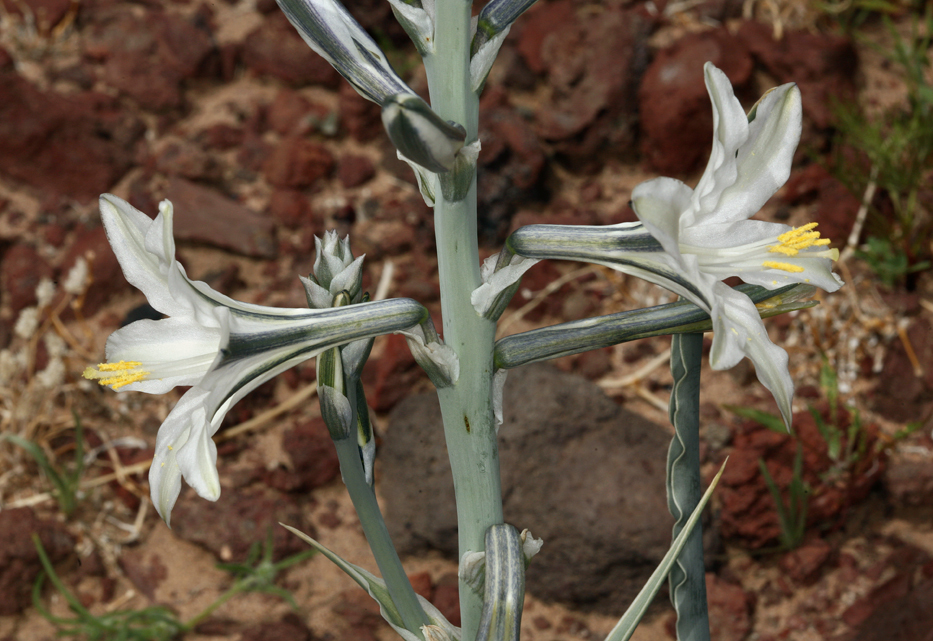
[[214, 106]]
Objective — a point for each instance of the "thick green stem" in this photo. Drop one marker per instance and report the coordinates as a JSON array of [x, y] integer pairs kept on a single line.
[[374, 527], [469, 425], [688, 576]]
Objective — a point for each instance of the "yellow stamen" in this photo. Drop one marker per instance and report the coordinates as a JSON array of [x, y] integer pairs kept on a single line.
[[116, 375], [787, 267], [791, 242]]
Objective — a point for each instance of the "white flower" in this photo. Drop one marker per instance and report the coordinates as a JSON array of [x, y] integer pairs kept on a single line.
[[689, 240], [221, 347]]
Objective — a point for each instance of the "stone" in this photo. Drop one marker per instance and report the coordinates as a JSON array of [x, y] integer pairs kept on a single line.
[[288, 113], [21, 269], [289, 628], [535, 27], [46, 13], [147, 57], [19, 560], [105, 272], [674, 105], [186, 159], [313, 457], [730, 609], [290, 207], [823, 65], [77, 145], [510, 170], [900, 395], [360, 118], [275, 49], [297, 162], [593, 110], [145, 570], [390, 374], [570, 462], [803, 565], [354, 170], [238, 520], [748, 512], [205, 215]]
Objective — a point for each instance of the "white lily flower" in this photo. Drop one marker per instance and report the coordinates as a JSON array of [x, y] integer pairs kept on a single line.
[[689, 240], [221, 347]]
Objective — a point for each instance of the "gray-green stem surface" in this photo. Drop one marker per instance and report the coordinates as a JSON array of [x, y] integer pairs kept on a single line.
[[469, 425]]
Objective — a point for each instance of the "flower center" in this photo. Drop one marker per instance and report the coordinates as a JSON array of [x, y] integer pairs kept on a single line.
[[790, 243], [117, 374]]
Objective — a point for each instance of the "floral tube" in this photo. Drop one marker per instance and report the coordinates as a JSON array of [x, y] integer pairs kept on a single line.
[[689, 240], [221, 347]]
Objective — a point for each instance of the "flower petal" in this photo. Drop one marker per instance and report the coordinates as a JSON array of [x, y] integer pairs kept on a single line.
[[165, 473], [764, 161], [730, 131], [197, 458], [176, 351], [659, 205], [739, 332]]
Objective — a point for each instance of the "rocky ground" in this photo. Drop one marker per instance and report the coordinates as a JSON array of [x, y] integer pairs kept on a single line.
[[220, 107]]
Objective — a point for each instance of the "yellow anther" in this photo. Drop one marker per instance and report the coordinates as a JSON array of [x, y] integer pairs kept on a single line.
[[791, 242], [786, 267], [118, 367], [116, 375]]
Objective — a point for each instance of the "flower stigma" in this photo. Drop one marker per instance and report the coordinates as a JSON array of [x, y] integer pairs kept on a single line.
[[117, 374]]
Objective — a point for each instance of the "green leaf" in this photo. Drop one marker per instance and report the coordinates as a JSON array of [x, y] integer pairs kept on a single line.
[[624, 629], [772, 422]]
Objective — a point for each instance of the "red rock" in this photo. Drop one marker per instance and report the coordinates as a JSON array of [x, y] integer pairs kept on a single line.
[[276, 49], [511, 163], [222, 136], [19, 561], [147, 57], [422, 584], [106, 275], [145, 570], [287, 112], [205, 215], [6, 60], [46, 13], [804, 184], [353, 170], [314, 459], [676, 116], [21, 269], [290, 628], [537, 25], [361, 118], [836, 211], [297, 162], [390, 375], [748, 509], [900, 394], [238, 520], [184, 158], [823, 65], [54, 142], [803, 565], [593, 108], [447, 598], [290, 207]]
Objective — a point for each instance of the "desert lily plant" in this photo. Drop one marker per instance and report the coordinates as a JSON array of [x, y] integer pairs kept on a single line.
[[687, 240]]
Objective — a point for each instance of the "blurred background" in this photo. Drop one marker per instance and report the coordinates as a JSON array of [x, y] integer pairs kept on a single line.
[[221, 107]]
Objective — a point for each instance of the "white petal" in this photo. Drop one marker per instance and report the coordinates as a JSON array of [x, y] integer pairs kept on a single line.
[[739, 332], [176, 351], [165, 473], [496, 282], [197, 458], [764, 161], [730, 131], [127, 229], [660, 205]]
